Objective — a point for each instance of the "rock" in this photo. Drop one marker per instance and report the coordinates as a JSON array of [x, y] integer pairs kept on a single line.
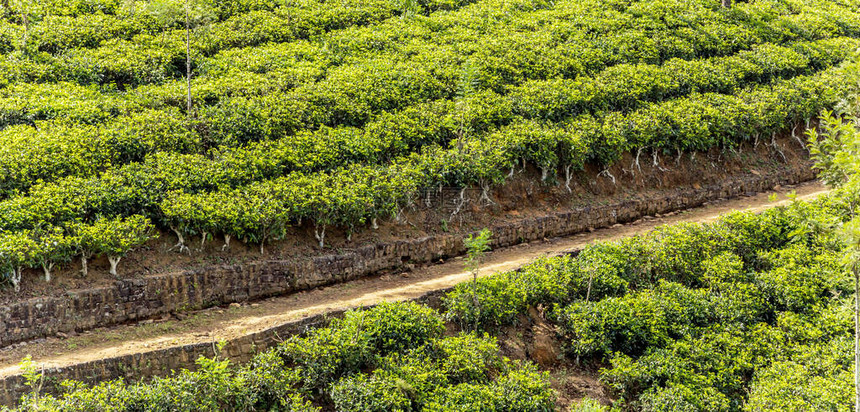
[[544, 349], [617, 225], [235, 305], [777, 187], [62, 335]]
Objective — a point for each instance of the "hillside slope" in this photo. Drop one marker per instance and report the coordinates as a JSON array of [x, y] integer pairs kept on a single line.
[[339, 113]]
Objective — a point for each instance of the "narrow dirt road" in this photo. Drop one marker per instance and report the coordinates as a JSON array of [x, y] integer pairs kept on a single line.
[[237, 320]]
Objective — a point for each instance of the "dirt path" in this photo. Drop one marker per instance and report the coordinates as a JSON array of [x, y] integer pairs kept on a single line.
[[237, 320]]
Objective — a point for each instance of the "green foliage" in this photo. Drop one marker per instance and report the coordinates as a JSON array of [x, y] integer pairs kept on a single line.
[[820, 379], [405, 381], [345, 109], [634, 322], [351, 344], [114, 237], [589, 405], [835, 149], [477, 247], [521, 388], [391, 357], [504, 296], [747, 313]]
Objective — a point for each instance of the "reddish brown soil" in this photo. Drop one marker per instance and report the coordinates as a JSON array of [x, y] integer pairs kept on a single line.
[[222, 323], [523, 197]]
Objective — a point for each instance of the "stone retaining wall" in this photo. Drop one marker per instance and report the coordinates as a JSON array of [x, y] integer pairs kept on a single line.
[[155, 296], [160, 362]]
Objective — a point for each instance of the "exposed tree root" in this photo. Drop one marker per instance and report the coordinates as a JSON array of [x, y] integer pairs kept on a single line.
[[609, 175]]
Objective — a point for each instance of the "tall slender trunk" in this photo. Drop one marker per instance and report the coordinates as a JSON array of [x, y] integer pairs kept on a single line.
[[475, 300], [188, 59], [26, 19], [856, 338]]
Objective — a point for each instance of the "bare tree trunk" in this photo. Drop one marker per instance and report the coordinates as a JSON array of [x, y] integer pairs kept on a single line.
[[26, 30], [16, 279], [475, 299], [84, 270], [856, 269], [320, 235], [188, 59], [114, 261], [47, 269], [727, 4]]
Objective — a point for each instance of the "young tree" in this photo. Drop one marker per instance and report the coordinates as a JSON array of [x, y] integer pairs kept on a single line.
[[197, 15], [850, 233], [190, 14], [477, 248], [836, 152], [27, 12]]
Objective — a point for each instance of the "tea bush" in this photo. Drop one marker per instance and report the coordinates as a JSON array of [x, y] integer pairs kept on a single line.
[[390, 357], [747, 313], [385, 96]]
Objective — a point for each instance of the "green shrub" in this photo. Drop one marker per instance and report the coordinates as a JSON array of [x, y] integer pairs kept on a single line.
[[820, 379], [353, 343], [635, 322], [589, 405], [520, 388]]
